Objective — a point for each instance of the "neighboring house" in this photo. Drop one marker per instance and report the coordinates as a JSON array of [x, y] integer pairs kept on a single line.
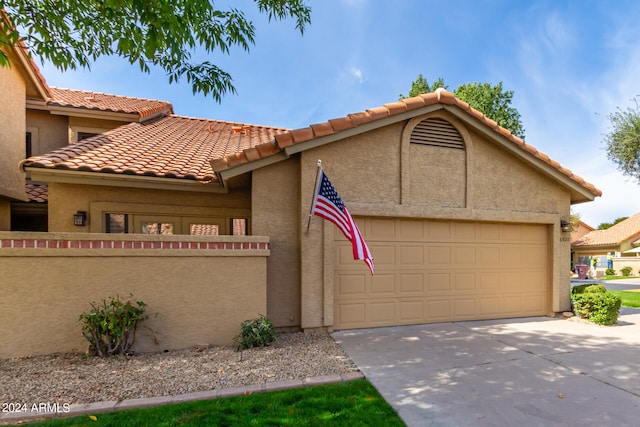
[[463, 218], [619, 241], [579, 230]]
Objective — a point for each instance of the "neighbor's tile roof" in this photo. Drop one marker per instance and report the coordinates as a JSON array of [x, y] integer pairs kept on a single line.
[[109, 103], [169, 147], [38, 193], [614, 235], [334, 126]]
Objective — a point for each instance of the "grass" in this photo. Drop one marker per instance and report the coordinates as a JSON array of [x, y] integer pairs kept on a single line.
[[629, 298], [617, 277], [352, 403]]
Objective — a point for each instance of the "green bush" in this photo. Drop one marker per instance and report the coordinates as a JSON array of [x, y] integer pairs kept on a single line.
[[110, 327], [626, 271], [257, 332], [598, 307], [589, 288], [610, 272]]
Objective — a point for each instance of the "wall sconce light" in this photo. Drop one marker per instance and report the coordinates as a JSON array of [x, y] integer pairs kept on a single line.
[[565, 226], [80, 218]]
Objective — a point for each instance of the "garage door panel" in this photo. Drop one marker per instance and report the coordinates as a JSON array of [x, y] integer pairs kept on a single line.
[[464, 282], [439, 271], [438, 310], [411, 284], [411, 255], [411, 310], [382, 311], [439, 255], [465, 256], [438, 282], [383, 285]]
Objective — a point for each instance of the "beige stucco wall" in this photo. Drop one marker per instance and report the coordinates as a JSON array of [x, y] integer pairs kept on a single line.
[[12, 133], [376, 174], [275, 205], [48, 131], [67, 199], [89, 125], [193, 296]]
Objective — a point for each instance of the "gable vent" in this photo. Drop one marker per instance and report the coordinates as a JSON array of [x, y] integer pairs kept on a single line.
[[437, 133]]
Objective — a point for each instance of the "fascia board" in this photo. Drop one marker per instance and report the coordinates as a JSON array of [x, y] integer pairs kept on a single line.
[[93, 114], [121, 180]]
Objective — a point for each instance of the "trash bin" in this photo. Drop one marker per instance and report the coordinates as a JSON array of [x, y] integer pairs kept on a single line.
[[582, 271]]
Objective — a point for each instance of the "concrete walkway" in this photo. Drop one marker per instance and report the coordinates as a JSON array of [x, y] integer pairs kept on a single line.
[[110, 406], [519, 372]]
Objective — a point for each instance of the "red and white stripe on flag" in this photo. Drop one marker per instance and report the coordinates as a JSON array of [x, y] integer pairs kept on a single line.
[[327, 204]]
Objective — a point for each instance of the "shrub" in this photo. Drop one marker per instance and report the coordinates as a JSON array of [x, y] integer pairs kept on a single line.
[[598, 307], [589, 289], [626, 271], [110, 327], [610, 272], [257, 332]]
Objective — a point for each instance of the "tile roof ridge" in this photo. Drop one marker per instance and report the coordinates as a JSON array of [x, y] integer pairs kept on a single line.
[[227, 122], [93, 92]]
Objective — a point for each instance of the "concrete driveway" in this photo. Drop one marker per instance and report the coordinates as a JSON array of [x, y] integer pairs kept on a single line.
[[517, 372]]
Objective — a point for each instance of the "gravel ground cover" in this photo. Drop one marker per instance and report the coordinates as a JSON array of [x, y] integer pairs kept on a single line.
[[76, 378]]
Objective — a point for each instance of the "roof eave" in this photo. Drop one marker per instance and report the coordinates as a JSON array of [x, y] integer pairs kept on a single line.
[[67, 176], [93, 114]]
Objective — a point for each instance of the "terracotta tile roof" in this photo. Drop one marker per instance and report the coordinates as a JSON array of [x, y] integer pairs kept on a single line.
[[144, 108], [170, 147], [37, 193], [334, 126], [23, 51], [614, 235]]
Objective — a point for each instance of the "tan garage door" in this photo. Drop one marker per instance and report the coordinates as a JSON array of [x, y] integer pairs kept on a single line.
[[440, 271]]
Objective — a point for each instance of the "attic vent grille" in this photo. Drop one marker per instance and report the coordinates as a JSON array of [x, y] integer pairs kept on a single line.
[[437, 133]]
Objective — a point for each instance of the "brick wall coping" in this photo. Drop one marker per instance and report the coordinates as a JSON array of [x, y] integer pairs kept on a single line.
[[26, 240]]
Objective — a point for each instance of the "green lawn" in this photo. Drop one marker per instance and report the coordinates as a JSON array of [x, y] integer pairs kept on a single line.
[[618, 277], [629, 299], [352, 403]]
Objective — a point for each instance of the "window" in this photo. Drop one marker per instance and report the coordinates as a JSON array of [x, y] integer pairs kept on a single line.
[[238, 226], [204, 229], [85, 135], [157, 228], [28, 149], [117, 223]]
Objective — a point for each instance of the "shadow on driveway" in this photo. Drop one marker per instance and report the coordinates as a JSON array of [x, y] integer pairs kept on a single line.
[[515, 372]]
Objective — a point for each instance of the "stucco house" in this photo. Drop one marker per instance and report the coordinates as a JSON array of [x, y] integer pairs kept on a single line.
[[619, 244], [464, 220]]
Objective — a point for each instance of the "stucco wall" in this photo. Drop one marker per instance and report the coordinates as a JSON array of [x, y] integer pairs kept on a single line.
[[12, 133], [275, 206], [48, 131], [197, 289], [67, 199], [379, 174]]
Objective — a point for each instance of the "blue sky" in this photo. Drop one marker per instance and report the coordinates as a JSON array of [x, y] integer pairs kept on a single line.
[[570, 64]]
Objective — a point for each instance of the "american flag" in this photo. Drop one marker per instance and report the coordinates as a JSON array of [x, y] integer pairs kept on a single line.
[[328, 205]]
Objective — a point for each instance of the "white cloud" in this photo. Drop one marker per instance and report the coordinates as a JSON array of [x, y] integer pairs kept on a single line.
[[357, 73]]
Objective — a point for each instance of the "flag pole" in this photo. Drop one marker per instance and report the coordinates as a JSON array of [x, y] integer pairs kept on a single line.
[[315, 189]]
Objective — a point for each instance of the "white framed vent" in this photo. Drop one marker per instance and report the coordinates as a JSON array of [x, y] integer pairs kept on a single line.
[[437, 132]]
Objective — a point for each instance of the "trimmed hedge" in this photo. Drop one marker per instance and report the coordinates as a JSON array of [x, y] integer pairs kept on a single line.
[[594, 303]]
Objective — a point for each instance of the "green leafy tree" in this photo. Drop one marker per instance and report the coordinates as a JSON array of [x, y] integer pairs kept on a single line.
[[605, 225], [72, 33], [623, 142], [492, 101], [421, 85]]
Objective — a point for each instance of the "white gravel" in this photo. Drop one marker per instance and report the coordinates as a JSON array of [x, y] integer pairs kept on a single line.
[[76, 378]]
